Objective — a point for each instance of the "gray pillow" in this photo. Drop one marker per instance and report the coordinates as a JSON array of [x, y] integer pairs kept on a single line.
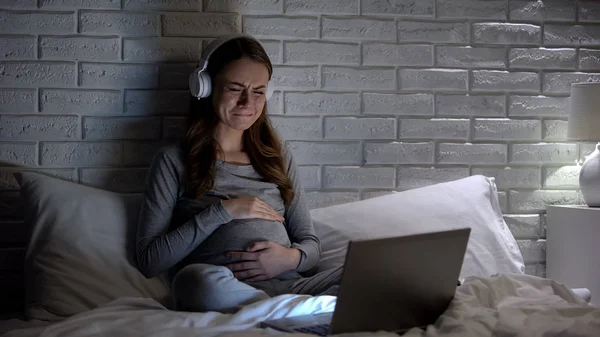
[[81, 253]]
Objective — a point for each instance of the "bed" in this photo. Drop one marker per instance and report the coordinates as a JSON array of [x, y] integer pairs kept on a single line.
[[81, 280]]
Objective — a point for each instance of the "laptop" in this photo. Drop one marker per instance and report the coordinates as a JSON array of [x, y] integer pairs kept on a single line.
[[391, 284]]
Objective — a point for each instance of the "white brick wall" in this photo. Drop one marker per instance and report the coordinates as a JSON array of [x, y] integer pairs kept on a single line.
[[372, 96]]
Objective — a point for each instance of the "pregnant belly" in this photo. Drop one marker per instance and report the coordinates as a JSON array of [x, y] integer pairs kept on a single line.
[[237, 235]]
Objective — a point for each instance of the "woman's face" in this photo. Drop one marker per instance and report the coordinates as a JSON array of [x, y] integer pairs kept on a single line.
[[239, 96]]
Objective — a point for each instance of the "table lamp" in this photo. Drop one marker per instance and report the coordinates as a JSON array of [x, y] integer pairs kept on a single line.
[[584, 126]]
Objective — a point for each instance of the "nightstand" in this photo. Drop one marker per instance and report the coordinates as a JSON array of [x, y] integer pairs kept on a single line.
[[573, 247]]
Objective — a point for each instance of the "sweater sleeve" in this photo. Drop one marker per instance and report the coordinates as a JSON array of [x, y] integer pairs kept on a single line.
[[299, 223], [157, 248]]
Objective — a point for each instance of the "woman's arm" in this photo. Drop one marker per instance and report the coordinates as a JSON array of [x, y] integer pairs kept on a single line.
[[299, 223], [157, 249]]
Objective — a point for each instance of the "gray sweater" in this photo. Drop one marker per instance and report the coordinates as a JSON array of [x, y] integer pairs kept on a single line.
[[176, 229]]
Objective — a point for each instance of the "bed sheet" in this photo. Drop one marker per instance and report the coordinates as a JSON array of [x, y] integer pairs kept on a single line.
[[501, 305]]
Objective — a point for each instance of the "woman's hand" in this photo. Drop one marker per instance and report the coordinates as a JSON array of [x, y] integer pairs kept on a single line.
[[250, 208], [263, 260]]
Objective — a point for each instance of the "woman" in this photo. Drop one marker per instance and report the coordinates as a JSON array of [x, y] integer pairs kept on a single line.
[[224, 212]]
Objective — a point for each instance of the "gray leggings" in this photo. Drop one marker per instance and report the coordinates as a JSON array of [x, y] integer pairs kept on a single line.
[[204, 287]]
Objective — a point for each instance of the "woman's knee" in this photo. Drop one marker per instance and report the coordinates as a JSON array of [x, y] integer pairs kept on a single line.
[[194, 286]]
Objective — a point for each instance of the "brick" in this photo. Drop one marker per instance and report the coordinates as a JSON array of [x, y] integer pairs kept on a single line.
[[116, 180], [533, 251], [571, 35], [80, 101], [295, 27], [322, 199], [585, 149], [106, 75], [156, 102], [540, 106], [295, 76], [506, 129], [360, 128], [18, 154], [532, 10], [411, 8], [358, 78], [335, 153], [544, 153], [545, 58], [399, 55], [433, 79], [555, 130], [17, 47], [495, 80], [537, 200], [512, 177], [507, 33], [243, 6], [325, 103], [398, 104], [321, 52], [467, 153], [275, 103], [359, 177], [536, 269], [70, 4], [119, 23], [174, 128], [98, 128], [17, 100], [35, 74], [560, 83], [399, 153], [39, 127], [167, 5], [493, 9], [470, 105], [140, 153], [321, 7], [200, 24], [82, 154], [175, 76], [9, 183], [170, 49], [16, 22], [417, 177], [436, 128], [589, 59], [298, 128], [358, 29], [310, 177], [564, 177], [374, 194], [432, 32], [272, 48], [589, 12], [18, 3], [79, 48], [472, 57], [525, 226]]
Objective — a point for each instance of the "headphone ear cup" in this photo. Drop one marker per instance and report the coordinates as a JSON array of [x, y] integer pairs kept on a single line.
[[269, 92], [205, 84], [194, 83]]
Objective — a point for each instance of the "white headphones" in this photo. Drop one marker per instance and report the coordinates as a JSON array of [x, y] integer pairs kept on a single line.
[[200, 81]]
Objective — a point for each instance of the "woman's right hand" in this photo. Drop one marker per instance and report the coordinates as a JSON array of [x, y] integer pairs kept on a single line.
[[250, 208]]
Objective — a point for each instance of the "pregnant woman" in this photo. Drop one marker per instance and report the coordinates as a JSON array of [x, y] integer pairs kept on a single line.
[[224, 212]]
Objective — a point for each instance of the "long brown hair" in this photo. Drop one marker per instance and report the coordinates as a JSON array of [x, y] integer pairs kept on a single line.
[[260, 141]]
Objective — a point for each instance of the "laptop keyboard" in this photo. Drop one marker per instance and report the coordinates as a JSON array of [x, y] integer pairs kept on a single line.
[[319, 329]]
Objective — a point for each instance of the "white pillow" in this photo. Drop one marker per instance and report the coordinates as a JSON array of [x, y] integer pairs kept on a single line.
[[468, 202], [81, 252]]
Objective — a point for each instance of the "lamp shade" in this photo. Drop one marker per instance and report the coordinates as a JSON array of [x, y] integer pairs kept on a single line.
[[584, 115]]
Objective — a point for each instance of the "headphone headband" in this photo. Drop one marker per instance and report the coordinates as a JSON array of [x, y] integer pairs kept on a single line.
[[218, 42]]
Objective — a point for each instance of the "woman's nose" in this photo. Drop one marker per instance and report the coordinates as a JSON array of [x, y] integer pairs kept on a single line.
[[243, 98]]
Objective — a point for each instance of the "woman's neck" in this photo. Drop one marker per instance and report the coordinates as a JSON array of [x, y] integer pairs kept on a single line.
[[229, 140]]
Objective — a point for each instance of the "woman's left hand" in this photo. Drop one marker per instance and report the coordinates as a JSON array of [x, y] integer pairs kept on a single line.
[[263, 260]]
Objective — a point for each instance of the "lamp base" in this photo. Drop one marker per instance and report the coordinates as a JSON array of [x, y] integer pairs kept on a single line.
[[589, 179]]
